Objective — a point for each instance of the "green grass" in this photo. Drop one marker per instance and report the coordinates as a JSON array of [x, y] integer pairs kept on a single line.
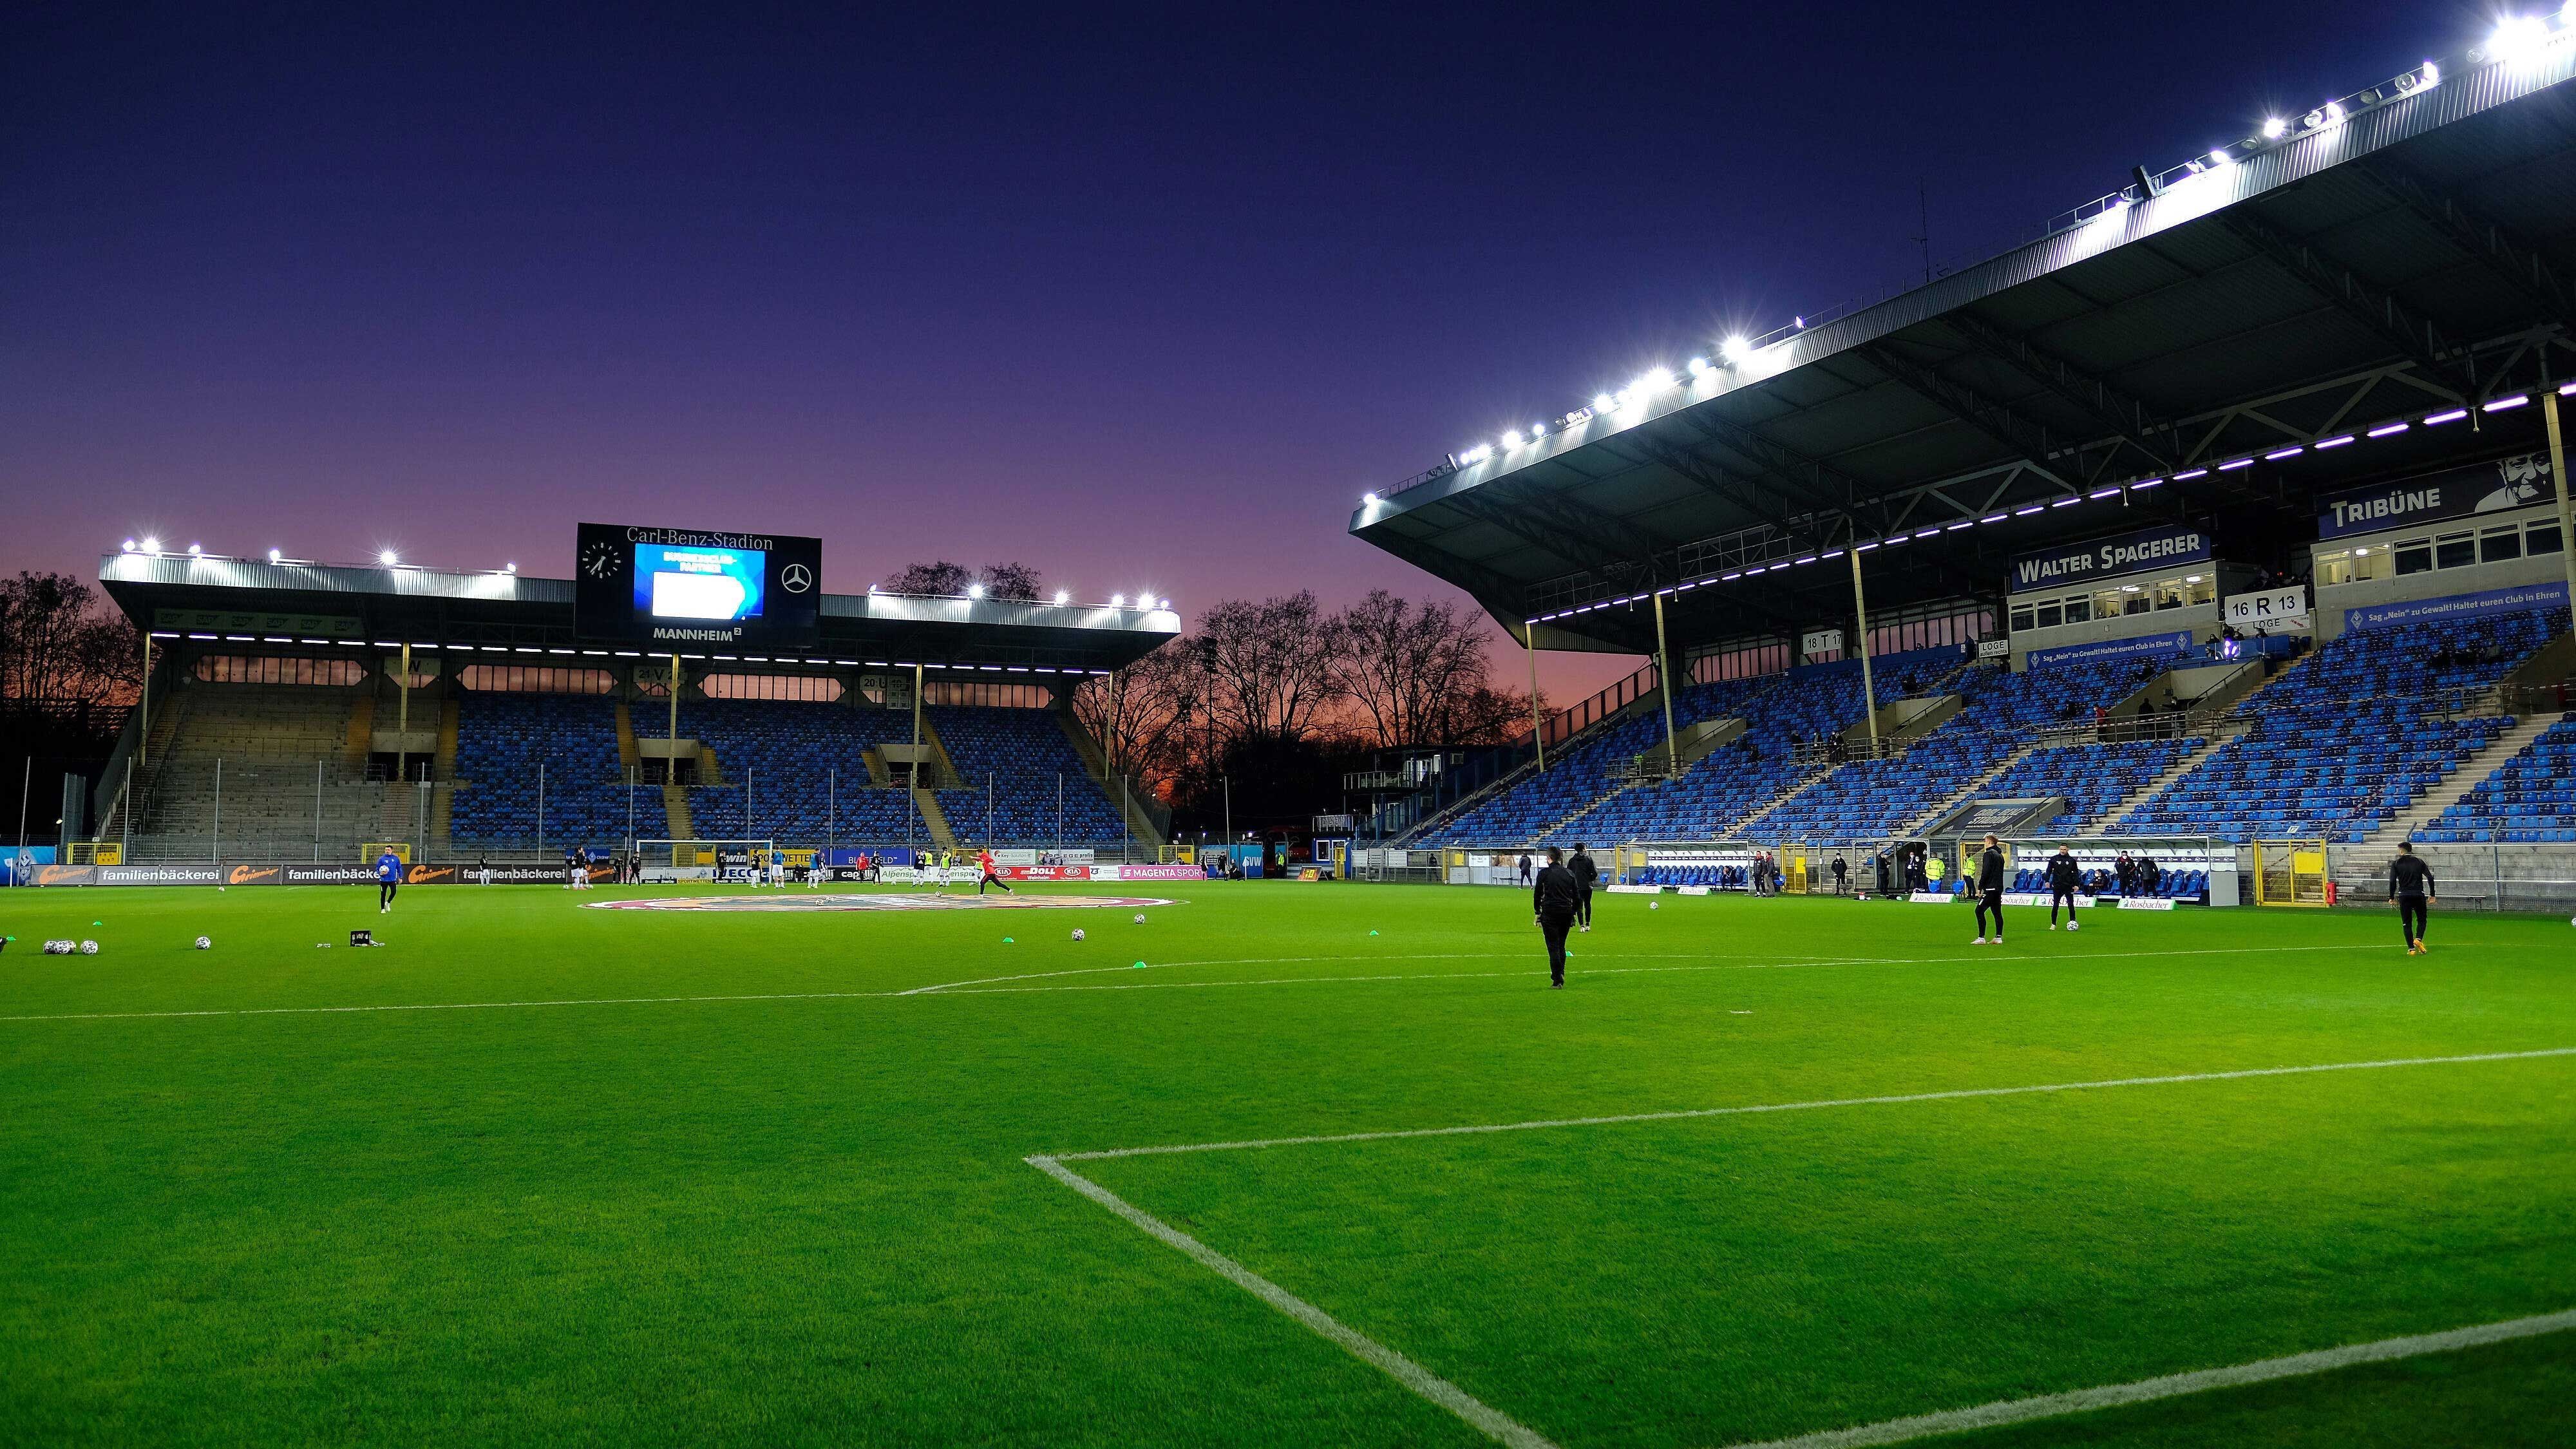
[[806, 1219]]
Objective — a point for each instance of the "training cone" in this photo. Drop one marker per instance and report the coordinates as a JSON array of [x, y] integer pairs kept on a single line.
[[1140, 965], [1007, 941]]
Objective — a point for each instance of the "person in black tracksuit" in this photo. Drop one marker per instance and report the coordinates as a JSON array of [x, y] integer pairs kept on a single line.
[[2410, 885], [2062, 878], [1554, 900], [1990, 891], [1584, 873], [1842, 876]]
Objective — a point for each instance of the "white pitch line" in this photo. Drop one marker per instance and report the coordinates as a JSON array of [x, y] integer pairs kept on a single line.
[[977, 988], [1687, 1114], [1422, 1381], [2080, 1401]]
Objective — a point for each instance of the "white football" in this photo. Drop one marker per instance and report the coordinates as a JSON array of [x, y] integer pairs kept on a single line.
[[1077, 934], [89, 948], [2070, 925], [1654, 905], [204, 945], [1140, 918]]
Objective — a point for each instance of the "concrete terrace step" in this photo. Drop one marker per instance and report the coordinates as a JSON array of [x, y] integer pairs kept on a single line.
[[2382, 842]]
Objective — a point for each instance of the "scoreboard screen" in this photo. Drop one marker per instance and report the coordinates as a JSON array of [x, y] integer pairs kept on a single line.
[[669, 587]]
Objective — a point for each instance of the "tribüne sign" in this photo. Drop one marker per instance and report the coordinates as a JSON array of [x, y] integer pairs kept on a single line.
[[2082, 563], [2489, 487]]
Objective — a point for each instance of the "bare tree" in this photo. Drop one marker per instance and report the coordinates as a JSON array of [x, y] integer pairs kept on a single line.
[[1142, 716], [940, 580], [1013, 581], [59, 646], [1269, 666], [1419, 674]]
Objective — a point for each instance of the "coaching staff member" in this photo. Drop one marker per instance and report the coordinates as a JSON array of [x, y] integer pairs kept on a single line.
[[1554, 900], [1585, 873], [2063, 875], [1990, 891], [2410, 885]]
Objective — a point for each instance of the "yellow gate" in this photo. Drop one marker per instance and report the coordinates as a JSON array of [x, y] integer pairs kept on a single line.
[[1793, 869], [374, 848], [2289, 872]]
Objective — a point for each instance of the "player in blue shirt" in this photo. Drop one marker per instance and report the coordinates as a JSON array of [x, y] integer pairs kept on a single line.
[[389, 871]]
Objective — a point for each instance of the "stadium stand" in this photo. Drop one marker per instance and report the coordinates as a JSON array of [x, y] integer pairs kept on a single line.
[[1023, 753], [1869, 800], [2352, 736], [2093, 778], [799, 768], [2529, 800], [503, 739]]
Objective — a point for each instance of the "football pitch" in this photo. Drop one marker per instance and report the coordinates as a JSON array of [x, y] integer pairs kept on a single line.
[[533, 1172]]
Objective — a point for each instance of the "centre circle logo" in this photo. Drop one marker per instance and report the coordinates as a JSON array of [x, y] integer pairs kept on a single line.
[[795, 904], [795, 578]]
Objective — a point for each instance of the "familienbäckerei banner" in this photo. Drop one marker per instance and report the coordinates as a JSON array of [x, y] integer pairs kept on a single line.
[[2464, 492]]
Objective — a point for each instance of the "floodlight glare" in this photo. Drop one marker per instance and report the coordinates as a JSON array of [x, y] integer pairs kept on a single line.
[[388, 558], [2334, 113], [1118, 601], [1698, 365], [2221, 158], [1065, 596], [2517, 37], [1656, 380], [509, 568], [274, 555], [151, 545], [2275, 128], [1512, 438], [1735, 349], [129, 545], [1537, 431], [974, 591], [194, 551], [1603, 402], [1163, 604]]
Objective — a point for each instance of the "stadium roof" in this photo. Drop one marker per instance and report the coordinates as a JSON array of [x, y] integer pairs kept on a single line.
[[291, 602], [2204, 337]]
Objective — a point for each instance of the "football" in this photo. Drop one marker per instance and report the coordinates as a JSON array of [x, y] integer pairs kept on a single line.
[[1077, 934], [204, 944], [2070, 925], [1140, 918], [89, 948]]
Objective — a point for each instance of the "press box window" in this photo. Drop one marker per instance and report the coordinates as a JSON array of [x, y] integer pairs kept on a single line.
[[2022, 618], [2455, 551], [2414, 556], [2541, 538], [2498, 545]]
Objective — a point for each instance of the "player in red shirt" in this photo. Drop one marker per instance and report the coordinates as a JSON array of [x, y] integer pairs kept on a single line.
[[992, 877]]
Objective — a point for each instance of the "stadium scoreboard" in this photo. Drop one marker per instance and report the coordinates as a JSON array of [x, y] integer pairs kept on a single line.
[[667, 587]]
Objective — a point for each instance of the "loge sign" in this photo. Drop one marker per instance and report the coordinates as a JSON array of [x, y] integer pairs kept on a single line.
[[668, 587], [2281, 611]]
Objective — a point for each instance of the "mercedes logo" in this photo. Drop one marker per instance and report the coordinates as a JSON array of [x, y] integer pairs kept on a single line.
[[796, 578]]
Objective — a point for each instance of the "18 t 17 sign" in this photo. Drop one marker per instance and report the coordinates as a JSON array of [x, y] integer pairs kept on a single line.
[[672, 588]]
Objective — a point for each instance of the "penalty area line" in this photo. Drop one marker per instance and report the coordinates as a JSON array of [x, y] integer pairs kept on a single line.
[[1492, 1422], [2081, 1401], [1692, 1113]]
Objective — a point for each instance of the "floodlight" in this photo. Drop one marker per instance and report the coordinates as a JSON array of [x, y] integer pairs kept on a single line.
[[129, 545], [1603, 402], [2221, 158], [1163, 604], [1537, 431], [194, 551], [274, 555], [151, 545], [1698, 365], [1118, 601], [2275, 128], [1656, 380], [1735, 349], [1475, 455], [388, 558], [509, 568], [1512, 438], [974, 591], [2517, 37], [1368, 498], [2334, 113], [1064, 596]]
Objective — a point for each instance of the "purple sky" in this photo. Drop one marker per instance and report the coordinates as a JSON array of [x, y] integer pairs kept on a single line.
[[1145, 302]]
